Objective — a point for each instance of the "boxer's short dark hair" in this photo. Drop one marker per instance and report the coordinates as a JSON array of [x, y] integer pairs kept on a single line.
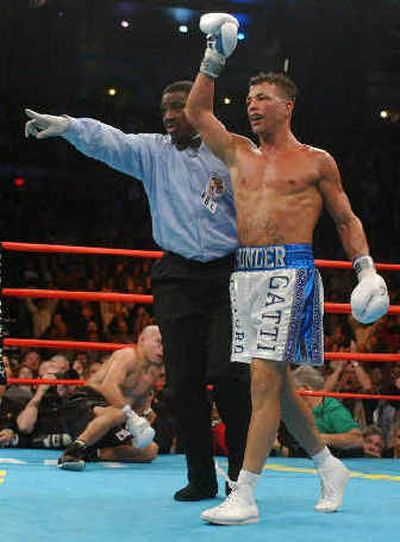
[[286, 85]]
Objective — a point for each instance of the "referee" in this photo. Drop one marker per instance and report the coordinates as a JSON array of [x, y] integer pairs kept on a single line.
[[193, 218]]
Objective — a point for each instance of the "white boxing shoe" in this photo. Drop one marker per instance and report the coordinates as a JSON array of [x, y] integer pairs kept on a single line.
[[334, 478], [235, 510]]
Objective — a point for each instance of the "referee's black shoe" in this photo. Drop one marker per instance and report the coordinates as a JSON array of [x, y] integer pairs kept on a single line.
[[191, 492]]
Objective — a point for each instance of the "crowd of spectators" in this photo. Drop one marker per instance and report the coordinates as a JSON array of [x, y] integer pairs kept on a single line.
[[85, 321], [352, 427]]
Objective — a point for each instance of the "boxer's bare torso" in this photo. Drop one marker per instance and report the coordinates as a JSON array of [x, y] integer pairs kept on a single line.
[[134, 377], [276, 193], [280, 186]]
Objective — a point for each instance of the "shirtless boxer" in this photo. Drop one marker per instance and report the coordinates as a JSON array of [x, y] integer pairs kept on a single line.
[[280, 188], [105, 407]]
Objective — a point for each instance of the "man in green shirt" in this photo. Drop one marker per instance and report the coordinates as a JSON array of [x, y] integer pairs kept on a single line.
[[334, 421]]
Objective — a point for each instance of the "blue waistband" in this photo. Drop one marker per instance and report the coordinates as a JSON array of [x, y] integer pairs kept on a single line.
[[274, 257]]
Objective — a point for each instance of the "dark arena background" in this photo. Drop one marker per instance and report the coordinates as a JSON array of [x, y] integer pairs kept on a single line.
[[110, 60], [70, 56]]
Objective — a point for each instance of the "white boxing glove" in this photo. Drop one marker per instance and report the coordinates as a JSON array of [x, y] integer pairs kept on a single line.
[[221, 30], [139, 427], [369, 299], [42, 126]]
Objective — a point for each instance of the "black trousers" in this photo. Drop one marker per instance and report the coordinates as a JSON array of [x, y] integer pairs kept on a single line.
[[192, 309]]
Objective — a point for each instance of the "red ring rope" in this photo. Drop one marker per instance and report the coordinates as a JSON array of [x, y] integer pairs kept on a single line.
[[81, 296], [69, 249], [89, 345], [63, 345], [344, 308], [342, 395], [341, 264], [362, 356], [335, 308], [320, 393], [153, 254]]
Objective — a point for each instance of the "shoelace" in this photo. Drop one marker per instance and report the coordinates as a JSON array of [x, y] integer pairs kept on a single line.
[[221, 472], [232, 498]]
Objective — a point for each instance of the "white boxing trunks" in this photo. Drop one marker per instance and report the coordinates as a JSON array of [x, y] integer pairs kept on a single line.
[[277, 305]]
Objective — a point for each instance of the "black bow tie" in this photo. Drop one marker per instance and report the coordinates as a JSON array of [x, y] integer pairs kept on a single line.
[[193, 143]]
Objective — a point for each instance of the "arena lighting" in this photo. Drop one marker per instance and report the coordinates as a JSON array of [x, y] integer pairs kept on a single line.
[[244, 22], [19, 182], [111, 91], [183, 28], [227, 100], [286, 64], [384, 114], [125, 24], [182, 15]]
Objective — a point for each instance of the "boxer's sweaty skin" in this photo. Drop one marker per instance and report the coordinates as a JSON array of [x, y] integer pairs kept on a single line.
[[138, 376], [280, 186]]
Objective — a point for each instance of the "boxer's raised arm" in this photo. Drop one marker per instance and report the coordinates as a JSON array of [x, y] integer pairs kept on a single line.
[[221, 30], [200, 113]]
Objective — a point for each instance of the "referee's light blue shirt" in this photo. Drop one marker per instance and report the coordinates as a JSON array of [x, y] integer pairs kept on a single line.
[[189, 191]]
